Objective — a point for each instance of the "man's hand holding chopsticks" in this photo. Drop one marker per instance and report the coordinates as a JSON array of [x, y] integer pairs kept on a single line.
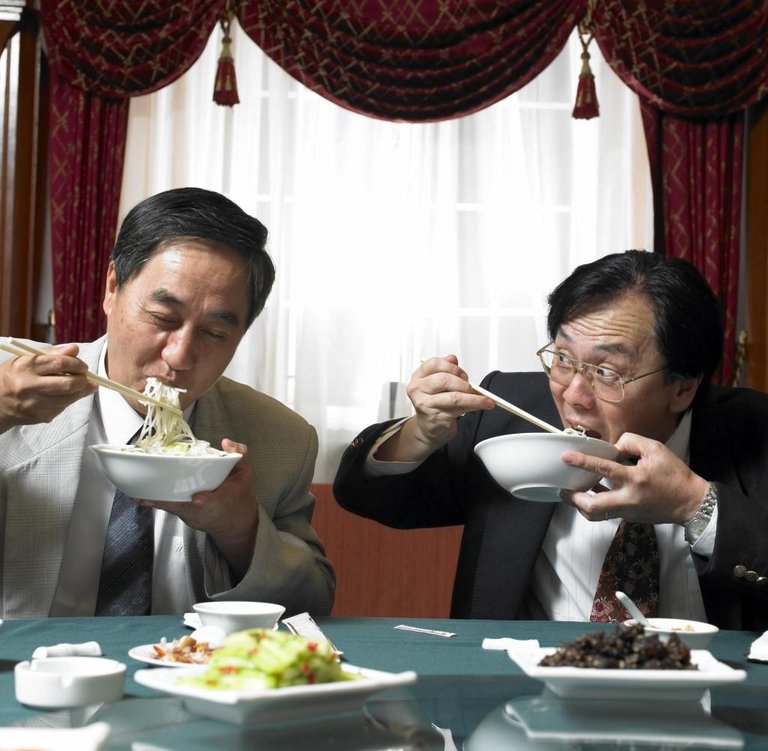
[[36, 388]]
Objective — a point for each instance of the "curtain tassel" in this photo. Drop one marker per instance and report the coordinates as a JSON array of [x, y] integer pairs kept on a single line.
[[225, 87], [586, 105]]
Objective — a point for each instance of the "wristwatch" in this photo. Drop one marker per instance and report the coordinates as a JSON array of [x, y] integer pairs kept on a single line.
[[695, 527]]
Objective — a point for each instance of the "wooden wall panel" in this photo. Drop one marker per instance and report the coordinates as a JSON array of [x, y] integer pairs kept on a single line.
[[23, 126], [382, 571]]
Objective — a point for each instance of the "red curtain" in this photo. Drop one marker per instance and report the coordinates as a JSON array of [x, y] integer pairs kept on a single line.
[[414, 61], [696, 66], [99, 53], [696, 171]]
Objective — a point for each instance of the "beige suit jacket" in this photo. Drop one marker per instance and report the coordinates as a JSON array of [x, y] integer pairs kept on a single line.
[[40, 470]]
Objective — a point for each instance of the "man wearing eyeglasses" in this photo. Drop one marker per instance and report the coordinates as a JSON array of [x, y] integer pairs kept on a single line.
[[635, 340]]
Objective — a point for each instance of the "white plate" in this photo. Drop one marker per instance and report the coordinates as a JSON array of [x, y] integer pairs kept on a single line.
[[146, 653], [88, 738], [277, 704], [594, 683]]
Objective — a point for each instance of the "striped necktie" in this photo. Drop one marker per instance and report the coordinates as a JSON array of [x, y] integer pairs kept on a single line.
[[631, 565]]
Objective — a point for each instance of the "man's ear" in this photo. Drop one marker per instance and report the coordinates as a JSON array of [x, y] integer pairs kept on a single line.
[[685, 390], [110, 289]]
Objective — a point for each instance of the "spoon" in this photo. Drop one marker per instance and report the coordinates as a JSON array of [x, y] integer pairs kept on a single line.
[[631, 608]]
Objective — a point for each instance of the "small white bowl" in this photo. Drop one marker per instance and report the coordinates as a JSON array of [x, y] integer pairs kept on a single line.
[[529, 465], [694, 634], [231, 616], [67, 682], [162, 477]]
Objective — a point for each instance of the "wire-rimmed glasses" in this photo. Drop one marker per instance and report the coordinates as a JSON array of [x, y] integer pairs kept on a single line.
[[605, 382]]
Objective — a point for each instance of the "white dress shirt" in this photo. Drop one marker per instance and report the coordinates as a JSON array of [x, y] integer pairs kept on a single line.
[[571, 557], [113, 421]]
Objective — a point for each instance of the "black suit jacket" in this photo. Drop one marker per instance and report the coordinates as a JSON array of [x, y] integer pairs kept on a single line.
[[502, 534]]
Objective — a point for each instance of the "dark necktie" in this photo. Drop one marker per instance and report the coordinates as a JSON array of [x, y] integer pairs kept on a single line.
[[125, 587], [631, 565]]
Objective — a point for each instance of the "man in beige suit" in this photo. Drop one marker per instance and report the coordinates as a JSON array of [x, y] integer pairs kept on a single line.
[[187, 276]]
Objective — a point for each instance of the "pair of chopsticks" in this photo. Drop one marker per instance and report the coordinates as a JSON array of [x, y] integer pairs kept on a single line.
[[499, 402], [20, 349]]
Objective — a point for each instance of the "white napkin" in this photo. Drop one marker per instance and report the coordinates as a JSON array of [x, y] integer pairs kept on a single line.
[[192, 620], [759, 649], [88, 649], [213, 636]]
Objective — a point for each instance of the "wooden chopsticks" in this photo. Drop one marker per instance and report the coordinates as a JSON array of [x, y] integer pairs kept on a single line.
[[515, 410], [19, 348]]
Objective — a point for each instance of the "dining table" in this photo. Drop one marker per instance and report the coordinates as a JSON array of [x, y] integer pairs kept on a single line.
[[464, 696]]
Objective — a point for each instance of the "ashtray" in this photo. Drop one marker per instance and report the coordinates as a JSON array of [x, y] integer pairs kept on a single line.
[[67, 682]]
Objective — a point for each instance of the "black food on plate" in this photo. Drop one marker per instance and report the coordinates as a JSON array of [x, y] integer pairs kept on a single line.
[[625, 648]]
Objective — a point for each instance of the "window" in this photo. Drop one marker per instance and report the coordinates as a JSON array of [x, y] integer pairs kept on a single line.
[[392, 241]]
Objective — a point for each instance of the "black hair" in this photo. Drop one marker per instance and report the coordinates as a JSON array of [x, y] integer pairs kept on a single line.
[[688, 325], [194, 214]]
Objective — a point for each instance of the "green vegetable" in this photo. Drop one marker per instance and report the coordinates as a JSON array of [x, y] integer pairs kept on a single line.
[[261, 658]]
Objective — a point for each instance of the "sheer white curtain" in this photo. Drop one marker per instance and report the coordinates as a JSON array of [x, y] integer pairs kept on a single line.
[[392, 241]]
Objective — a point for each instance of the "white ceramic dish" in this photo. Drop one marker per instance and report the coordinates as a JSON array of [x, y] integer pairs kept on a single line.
[[231, 616], [146, 654], [68, 682], [160, 477], [529, 465], [88, 738], [695, 634], [278, 704], [654, 685]]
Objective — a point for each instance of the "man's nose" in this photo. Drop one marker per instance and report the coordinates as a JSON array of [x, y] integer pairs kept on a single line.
[[579, 391], [178, 352]]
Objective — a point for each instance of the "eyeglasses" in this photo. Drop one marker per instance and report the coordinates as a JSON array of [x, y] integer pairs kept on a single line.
[[605, 382]]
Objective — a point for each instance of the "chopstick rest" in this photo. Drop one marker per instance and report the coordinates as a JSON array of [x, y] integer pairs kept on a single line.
[[86, 649]]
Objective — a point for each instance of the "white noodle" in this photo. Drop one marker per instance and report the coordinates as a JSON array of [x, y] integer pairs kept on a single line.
[[164, 431]]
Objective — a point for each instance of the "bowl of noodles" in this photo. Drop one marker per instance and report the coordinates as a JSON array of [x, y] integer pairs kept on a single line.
[[167, 462]]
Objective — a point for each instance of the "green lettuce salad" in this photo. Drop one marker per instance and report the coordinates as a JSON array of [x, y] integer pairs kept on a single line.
[[260, 659]]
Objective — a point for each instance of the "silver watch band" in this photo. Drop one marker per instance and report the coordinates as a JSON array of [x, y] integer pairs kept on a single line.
[[695, 527]]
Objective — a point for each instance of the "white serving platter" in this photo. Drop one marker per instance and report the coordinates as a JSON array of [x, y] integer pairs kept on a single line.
[[274, 705]]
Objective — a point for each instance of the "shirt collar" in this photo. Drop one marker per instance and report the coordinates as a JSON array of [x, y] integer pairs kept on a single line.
[[120, 421]]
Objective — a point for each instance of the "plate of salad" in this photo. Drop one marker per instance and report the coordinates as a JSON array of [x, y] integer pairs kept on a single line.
[[266, 676]]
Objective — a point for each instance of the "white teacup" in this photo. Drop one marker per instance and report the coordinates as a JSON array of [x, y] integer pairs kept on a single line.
[[231, 616]]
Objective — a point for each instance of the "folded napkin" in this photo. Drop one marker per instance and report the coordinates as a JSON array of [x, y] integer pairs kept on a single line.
[[759, 650], [192, 620], [213, 636], [87, 649]]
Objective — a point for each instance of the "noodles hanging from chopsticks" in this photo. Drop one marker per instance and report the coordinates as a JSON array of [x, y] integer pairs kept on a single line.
[[166, 432]]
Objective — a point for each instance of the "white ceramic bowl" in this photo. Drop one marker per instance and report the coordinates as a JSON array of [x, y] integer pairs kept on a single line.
[[66, 682], [231, 616], [530, 466], [161, 477], [694, 634]]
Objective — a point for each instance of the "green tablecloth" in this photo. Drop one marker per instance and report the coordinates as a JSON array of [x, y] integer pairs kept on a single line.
[[460, 685]]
